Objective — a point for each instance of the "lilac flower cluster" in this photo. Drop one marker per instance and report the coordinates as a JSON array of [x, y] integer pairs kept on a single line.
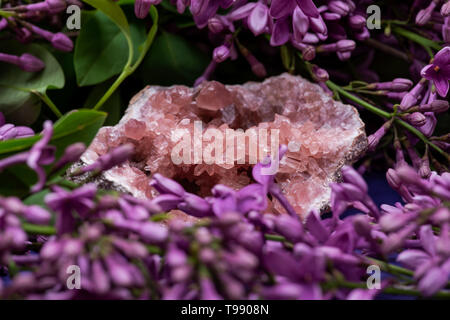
[[18, 21], [418, 105], [309, 28], [129, 248]]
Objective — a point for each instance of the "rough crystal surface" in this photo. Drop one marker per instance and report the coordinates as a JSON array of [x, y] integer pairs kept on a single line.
[[322, 135]]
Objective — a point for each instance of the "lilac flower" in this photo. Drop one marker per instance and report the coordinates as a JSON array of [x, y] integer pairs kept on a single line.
[[432, 269], [439, 71], [280, 9], [39, 155], [65, 203]]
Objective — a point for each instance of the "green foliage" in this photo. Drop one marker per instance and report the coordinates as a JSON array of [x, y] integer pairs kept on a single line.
[[99, 60], [17, 100], [173, 60]]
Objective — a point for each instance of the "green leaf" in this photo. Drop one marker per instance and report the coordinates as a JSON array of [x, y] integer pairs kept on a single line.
[[16, 85], [173, 60], [113, 11], [99, 60], [76, 126]]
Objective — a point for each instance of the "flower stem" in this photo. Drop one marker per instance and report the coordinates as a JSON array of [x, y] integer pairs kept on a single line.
[[45, 98], [426, 43]]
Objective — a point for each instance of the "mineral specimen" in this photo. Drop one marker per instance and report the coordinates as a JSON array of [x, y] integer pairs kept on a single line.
[[322, 135]]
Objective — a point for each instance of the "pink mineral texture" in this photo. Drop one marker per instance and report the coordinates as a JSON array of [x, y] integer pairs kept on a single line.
[[322, 136]]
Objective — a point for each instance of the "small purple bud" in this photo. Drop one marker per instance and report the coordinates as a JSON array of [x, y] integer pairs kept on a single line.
[[221, 53], [167, 202], [393, 179], [437, 106], [424, 15], [350, 175], [100, 278], [120, 275], [71, 154], [339, 7], [331, 16], [166, 186], [37, 214], [395, 221], [410, 99], [56, 6], [51, 250], [400, 84], [357, 22], [289, 227], [111, 159], [61, 42], [375, 138], [153, 232], [142, 8], [215, 25], [319, 74], [417, 119], [345, 45], [3, 23], [30, 63], [195, 206]]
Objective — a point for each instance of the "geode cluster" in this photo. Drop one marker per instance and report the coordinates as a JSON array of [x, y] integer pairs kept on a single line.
[[321, 134]]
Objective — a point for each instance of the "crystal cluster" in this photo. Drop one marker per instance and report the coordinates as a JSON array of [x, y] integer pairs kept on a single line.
[[322, 135]]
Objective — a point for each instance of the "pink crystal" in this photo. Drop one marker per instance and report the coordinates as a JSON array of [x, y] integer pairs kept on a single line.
[[322, 135]]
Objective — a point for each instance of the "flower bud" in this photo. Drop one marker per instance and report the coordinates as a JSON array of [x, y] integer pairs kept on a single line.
[[393, 179], [195, 205], [345, 45], [437, 106], [37, 214], [319, 74], [424, 15], [350, 175], [215, 25], [61, 42], [30, 63], [166, 186], [357, 22], [71, 154], [401, 84], [417, 119], [3, 23], [331, 16], [153, 232], [339, 7], [221, 53], [55, 6], [142, 8]]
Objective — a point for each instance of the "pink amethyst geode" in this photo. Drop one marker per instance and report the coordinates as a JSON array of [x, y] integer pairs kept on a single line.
[[322, 136]]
